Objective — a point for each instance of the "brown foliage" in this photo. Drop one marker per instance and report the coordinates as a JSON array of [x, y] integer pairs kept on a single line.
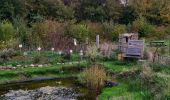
[[94, 77]]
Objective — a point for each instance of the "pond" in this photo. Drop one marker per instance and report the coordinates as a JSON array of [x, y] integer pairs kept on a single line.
[[67, 88]]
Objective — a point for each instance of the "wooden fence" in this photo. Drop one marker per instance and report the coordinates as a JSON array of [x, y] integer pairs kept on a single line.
[[165, 60]]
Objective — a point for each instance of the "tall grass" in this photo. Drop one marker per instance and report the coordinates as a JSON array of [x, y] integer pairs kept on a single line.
[[94, 77]]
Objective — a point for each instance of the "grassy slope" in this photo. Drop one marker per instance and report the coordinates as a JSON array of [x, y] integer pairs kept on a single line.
[[124, 88], [129, 89]]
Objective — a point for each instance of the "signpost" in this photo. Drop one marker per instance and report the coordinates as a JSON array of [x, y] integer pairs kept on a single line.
[[20, 47]]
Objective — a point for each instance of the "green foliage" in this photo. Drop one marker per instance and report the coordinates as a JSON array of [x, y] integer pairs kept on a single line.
[[7, 31], [154, 11], [23, 32], [12, 8], [79, 31], [128, 15], [7, 35], [144, 28], [91, 9], [117, 29]]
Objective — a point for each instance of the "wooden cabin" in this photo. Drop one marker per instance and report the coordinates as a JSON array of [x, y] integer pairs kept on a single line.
[[130, 45]]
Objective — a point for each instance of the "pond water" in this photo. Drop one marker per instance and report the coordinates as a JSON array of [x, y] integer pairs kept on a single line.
[[60, 89]]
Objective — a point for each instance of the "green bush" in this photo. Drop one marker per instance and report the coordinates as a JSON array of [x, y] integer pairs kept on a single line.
[[144, 28], [78, 31], [7, 31], [7, 35], [117, 29], [40, 59]]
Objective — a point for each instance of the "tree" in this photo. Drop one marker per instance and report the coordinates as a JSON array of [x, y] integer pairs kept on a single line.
[[9, 9], [128, 15], [113, 10], [39, 10], [155, 11], [91, 10]]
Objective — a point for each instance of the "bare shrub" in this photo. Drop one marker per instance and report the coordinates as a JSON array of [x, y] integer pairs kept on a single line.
[[6, 54], [92, 52], [94, 77]]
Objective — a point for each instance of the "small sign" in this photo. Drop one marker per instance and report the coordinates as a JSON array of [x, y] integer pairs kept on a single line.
[[39, 48], [20, 45], [52, 49], [75, 42], [81, 52], [71, 51]]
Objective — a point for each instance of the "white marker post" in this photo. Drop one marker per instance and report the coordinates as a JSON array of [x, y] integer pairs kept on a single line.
[[52, 49], [81, 55], [20, 47], [97, 41], [39, 49], [75, 42], [71, 51], [60, 52]]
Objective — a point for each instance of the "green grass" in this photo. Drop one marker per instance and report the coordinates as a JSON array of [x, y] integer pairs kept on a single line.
[[12, 75], [129, 88], [44, 57], [126, 90], [119, 66], [119, 92]]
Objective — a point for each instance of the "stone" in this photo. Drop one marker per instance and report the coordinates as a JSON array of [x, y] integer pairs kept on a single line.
[[44, 93]]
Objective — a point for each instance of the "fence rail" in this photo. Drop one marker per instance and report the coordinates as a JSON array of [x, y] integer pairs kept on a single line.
[[165, 60]]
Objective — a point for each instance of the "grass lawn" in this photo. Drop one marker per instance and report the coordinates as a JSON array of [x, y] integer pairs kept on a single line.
[[119, 66]]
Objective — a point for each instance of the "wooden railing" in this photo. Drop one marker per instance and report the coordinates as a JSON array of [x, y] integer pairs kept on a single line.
[[165, 60]]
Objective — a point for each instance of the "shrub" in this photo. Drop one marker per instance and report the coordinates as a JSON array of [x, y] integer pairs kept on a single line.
[[78, 31], [117, 29], [7, 34], [145, 30], [6, 54], [93, 53], [7, 31], [40, 59], [107, 28], [94, 77], [143, 27]]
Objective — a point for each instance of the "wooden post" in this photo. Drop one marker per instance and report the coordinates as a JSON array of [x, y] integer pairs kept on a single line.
[[97, 41]]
